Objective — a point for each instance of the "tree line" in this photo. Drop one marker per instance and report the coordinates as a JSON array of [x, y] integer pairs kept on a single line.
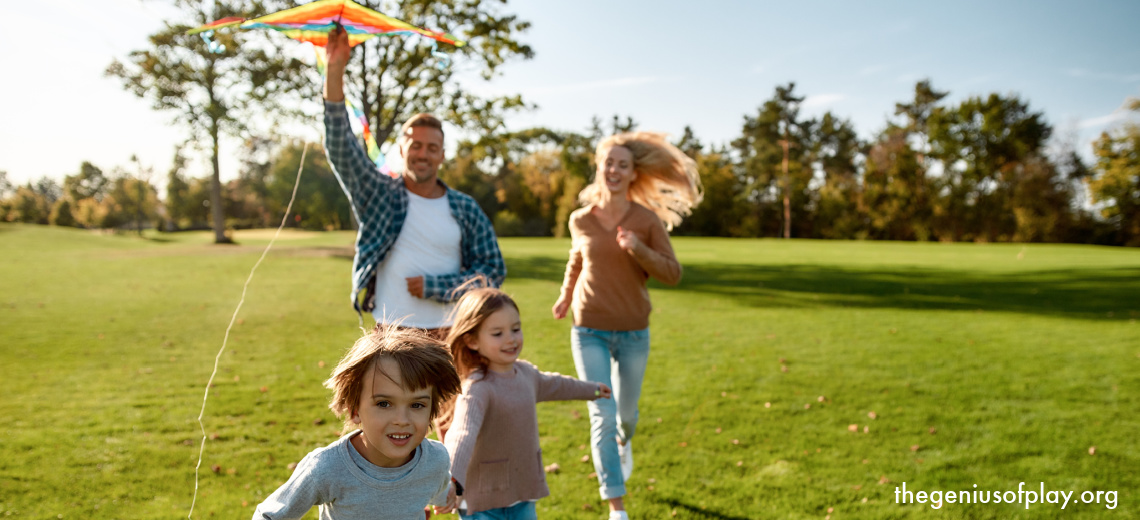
[[979, 170]]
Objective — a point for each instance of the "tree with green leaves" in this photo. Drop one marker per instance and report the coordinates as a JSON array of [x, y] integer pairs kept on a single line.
[[897, 186], [984, 145], [209, 93], [774, 151], [1116, 184], [89, 183], [177, 193], [836, 152], [61, 214]]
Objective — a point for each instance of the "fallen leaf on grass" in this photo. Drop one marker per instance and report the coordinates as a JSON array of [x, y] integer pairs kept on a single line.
[[767, 405], [216, 468], [318, 422], [783, 368], [820, 398], [264, 389], [575, 414], [852, 427], [718, 430], [736, 441], [883, 479], [320, 364], [866, 429], [872, 414], [592, 475], [1092, 450], [231, 471], [292, 466], [683, 444], [585, 458], [914, 447], [553, 468], [807, 406], [739, 463], [864, 500]]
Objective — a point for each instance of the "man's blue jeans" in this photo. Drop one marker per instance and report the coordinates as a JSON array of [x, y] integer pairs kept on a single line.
[[617, 358]]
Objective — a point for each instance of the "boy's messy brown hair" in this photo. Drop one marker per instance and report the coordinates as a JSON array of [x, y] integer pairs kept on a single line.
[[423, 362]]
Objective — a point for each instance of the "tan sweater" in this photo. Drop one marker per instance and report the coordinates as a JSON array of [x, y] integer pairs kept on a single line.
[[607, 283], [493, 440]]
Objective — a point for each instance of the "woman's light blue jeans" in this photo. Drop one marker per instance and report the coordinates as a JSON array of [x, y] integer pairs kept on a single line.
[[519, 511], [617, 358]]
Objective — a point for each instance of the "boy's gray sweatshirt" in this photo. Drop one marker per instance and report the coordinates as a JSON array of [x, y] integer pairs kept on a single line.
[[345, 486]]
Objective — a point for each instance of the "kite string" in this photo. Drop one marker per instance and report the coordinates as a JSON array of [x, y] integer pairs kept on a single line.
[[225, 339]]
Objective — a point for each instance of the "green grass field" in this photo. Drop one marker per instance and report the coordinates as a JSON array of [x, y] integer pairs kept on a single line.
[[955, 365]]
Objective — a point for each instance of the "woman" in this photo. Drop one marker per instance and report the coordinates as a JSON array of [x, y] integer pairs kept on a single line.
[[643, 186]]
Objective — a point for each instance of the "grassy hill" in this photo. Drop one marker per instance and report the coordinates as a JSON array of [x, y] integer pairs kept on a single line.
[[788, 379]]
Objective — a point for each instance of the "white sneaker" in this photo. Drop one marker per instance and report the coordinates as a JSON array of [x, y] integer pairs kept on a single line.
[[618, 515], [625, 452]]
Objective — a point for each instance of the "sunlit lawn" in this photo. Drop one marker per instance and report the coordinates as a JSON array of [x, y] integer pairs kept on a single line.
[[788, 379]]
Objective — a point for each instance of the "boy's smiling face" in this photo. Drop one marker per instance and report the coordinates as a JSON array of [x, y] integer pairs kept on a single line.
[[392, 420]]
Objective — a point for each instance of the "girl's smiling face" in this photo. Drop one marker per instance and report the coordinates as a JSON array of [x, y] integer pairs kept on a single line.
[[392, 419], [499, 339]]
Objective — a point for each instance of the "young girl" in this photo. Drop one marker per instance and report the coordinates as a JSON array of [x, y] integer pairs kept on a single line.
[[496, 462], [388, 388]]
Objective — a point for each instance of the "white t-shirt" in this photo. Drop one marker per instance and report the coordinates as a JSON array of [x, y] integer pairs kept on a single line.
[[428, 245]]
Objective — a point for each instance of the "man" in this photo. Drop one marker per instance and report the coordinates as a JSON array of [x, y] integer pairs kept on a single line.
[[418, 240]]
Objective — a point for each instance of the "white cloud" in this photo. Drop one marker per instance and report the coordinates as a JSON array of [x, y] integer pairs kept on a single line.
[[1097, 122], [1077, 72], [873, 69], [600, 84], [822, 100]]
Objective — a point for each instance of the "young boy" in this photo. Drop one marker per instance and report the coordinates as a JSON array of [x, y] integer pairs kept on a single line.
[[388, 388]]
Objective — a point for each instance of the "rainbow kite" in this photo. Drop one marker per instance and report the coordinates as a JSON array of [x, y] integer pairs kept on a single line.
[[313, 21]]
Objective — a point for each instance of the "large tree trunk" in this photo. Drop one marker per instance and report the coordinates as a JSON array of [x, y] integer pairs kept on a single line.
[[216, 212]]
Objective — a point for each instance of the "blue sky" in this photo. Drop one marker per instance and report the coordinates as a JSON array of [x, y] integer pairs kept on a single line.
[[666, 63]]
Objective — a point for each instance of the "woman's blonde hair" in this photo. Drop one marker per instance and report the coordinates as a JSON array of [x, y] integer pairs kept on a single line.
[[422, 359], [667, 180], [470, 312]]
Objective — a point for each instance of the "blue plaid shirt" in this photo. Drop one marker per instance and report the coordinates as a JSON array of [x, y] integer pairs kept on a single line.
[[380, 204]]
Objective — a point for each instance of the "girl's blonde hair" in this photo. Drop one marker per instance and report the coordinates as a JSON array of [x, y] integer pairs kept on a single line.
[[667, 180], [470, 312], [422, 359]]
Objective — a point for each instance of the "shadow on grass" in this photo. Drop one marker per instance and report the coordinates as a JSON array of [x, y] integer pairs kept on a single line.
[[1109, 293], [701, 513]]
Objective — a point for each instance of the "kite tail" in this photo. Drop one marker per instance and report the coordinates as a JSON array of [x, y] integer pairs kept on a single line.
[[365, 132]]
